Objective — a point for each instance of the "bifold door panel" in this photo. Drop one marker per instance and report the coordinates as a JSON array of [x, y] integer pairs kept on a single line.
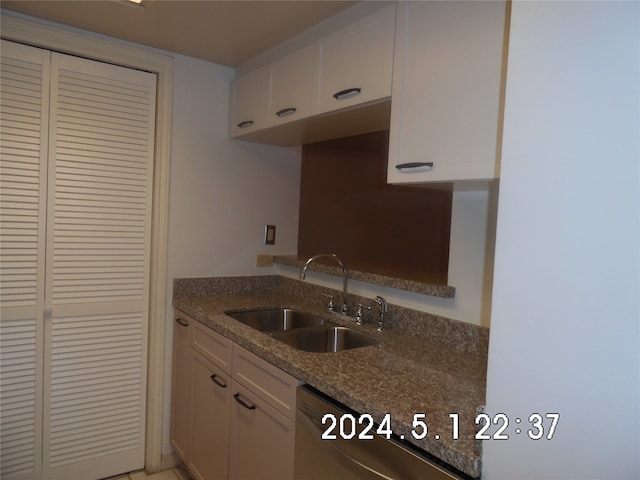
[[77, 161]]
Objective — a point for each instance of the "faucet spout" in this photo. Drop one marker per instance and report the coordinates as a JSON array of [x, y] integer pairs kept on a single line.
[[345, 274]]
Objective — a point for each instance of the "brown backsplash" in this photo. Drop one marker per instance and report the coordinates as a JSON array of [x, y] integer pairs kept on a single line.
[[347, 208]]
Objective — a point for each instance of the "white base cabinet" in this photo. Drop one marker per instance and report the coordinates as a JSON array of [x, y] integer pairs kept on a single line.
[[448, 80], [209, 421], [201, 398], [232, 413], [262, 439], [180, 386]]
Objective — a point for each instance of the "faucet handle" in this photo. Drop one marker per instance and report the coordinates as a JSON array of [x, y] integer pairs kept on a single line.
[[330, 304], [359, 313], [384, 308]]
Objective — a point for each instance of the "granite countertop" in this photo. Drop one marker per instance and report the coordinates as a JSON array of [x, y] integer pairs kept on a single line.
[[406, 374], [394, 277]]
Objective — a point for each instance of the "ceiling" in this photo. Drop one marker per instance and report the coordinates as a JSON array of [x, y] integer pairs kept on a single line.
[[223, 32]]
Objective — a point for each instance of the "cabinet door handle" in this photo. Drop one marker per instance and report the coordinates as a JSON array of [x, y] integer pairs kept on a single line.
[[286, 111], [414, 165], [245, 124], [182, 322], [218, 381], [244, 403], [348, 93]]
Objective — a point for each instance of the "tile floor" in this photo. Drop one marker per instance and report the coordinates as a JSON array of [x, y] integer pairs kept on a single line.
[[173, 474]]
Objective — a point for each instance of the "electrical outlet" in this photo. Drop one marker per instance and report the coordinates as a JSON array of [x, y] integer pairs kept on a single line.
[[269, 234], [264, 260]]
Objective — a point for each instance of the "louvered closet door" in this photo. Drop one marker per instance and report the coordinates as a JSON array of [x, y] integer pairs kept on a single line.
[[24, 102], [97, 280]]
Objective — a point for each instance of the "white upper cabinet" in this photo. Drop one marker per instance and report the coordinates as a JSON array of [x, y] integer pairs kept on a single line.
[[355, 63], [290, 83], [446, 114], [286, 101], [249, 102]]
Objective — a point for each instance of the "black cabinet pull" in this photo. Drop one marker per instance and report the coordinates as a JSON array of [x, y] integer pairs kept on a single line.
[[245, 124], [414, 165], [248, 406], [218, 381], [286, 111], [182, 322], [349, 92]]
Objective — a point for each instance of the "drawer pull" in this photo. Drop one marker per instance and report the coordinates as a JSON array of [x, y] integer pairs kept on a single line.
[[245, 124], [402, 166], [218, 381], [244, 403], [286, 111], [182, 322], [348, 93]]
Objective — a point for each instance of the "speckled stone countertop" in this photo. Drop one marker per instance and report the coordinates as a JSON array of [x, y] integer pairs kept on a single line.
[[414, 370], [411, 281]]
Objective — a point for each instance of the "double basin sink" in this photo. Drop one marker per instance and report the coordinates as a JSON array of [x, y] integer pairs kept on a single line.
[[303, 331]]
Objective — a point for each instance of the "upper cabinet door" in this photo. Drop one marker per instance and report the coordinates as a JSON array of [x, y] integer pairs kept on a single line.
[[249, 102], [355, 63], [290, 85], [446, 114]]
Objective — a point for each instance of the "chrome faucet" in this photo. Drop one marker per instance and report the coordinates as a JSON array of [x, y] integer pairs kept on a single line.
[[384, 308], [345, 275]]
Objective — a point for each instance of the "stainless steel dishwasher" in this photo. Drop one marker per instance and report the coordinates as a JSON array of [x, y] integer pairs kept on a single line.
[[375, 459]]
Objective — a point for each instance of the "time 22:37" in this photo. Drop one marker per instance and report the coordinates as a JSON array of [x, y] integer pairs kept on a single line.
[[539, 425]]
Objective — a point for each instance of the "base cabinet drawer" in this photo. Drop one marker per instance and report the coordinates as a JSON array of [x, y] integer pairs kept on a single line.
[[213, 346], [274, 386]]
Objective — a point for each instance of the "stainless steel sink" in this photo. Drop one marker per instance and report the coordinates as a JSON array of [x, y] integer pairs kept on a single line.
[[325, 339], [276, 319], [303, 331]]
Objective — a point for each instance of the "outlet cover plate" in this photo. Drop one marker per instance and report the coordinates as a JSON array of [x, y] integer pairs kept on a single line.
[[269, 234]]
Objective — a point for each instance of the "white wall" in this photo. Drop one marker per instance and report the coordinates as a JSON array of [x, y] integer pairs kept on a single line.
[[565, 329], [223, 192], [471, 251]]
